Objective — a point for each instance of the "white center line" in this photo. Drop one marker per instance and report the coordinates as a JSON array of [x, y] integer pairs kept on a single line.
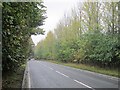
[[62, 74], [83, 84], [51, 68]]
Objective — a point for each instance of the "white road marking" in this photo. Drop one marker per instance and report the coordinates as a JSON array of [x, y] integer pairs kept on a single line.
[[62, 74], [106, 76], [51, 68], [29, 84], [83, 84]]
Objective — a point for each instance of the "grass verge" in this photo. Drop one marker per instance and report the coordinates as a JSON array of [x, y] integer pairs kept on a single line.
[[14, 79], [110, 72]]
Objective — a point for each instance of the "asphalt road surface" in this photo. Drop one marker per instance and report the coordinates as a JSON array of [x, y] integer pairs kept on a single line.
[[49, 75]]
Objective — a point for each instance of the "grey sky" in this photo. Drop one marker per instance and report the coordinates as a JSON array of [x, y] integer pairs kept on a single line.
[[55, 11]]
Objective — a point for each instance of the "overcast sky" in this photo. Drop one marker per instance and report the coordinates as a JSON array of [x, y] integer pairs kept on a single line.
[[55, 11]]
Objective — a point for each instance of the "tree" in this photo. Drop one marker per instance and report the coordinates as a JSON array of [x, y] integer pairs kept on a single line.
[[19, 22], [45, 49], [89, 35]]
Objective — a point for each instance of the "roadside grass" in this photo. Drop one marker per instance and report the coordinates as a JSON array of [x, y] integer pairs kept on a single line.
[[14, 79], [106, 71]]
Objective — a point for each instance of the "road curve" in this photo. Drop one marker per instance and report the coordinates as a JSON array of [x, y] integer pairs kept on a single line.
[[49, 75]]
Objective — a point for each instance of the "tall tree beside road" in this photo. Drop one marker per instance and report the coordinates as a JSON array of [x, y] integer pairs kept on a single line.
[[89, 35], [46, 47], [20, 20]]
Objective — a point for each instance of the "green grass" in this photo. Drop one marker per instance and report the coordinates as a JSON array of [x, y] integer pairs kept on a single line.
[[13, 79], [111, 72]]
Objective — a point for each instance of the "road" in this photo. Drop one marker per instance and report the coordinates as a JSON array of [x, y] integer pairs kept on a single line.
[[49, 75]]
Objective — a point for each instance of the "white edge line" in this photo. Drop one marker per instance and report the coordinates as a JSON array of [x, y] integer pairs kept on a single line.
[[23, 82], [62, 74], [82, 84], [29, 84]]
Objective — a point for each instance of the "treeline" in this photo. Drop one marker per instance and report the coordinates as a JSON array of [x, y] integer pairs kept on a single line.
[[19, 21], [90, 35]]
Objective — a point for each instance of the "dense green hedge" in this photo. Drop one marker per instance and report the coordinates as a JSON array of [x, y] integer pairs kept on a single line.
[[19, 22]]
